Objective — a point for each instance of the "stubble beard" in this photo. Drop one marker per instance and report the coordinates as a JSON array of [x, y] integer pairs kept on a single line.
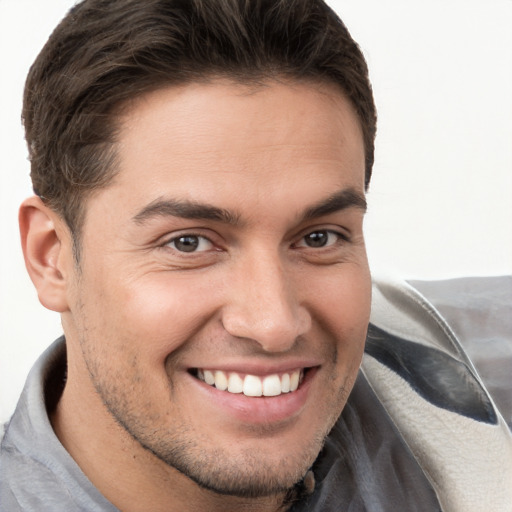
[[247, 475], [244, 475]]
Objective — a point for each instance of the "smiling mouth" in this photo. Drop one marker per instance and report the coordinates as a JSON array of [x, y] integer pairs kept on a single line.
[[252, 385]]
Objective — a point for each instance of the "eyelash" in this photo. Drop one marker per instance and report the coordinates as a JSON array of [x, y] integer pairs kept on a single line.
[[201, 240]]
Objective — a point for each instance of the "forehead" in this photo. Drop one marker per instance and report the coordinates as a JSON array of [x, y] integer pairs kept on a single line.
[[245, 112], [221, 141]]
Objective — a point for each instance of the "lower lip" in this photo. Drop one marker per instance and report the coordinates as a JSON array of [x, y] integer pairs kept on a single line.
[[259, 410]]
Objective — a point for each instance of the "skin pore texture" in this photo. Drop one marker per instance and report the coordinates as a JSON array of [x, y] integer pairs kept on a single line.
[[230, 241]]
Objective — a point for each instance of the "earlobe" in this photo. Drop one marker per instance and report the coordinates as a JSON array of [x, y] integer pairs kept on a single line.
[[47, 249]]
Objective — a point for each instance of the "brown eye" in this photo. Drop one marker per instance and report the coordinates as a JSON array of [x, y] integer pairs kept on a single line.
[[190, 243], [317, 239], [321, 238]]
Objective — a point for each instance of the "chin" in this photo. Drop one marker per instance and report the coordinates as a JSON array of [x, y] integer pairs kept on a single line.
[[253, 468], [249, 475]]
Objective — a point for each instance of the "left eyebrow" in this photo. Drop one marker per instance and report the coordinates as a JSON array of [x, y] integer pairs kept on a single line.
[[347, 198]]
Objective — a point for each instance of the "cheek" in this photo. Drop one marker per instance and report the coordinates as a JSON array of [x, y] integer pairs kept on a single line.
[[343, 309], [161, 311], [343, 299], [354, 306]]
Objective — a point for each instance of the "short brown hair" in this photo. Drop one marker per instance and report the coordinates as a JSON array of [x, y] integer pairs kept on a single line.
[[105, 52]]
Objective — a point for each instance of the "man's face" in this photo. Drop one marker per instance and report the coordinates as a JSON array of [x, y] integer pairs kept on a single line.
[[228, 248]]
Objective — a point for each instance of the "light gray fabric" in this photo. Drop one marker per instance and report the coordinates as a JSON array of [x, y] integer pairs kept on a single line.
[[431, 390], [479, 310], [36, 472]]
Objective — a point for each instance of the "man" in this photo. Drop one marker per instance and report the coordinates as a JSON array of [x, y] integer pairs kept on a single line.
[[200, 171]]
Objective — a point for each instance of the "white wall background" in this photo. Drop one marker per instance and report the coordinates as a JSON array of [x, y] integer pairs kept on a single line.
[[441, 197]]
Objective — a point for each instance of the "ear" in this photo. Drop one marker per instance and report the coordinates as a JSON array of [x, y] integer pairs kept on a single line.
[[47, 249]]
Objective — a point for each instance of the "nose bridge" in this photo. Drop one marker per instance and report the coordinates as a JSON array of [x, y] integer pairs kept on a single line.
[[263, 304]]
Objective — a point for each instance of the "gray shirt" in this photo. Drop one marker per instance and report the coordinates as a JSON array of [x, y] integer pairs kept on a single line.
[[36, 472]]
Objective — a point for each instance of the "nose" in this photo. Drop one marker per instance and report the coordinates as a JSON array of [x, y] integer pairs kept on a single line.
[[264, 306]]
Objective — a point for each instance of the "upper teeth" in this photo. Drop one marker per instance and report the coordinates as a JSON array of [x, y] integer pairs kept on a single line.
[[252, 385]]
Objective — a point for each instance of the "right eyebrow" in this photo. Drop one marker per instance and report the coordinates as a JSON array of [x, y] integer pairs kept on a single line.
[[185, 209], [341, 200]]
